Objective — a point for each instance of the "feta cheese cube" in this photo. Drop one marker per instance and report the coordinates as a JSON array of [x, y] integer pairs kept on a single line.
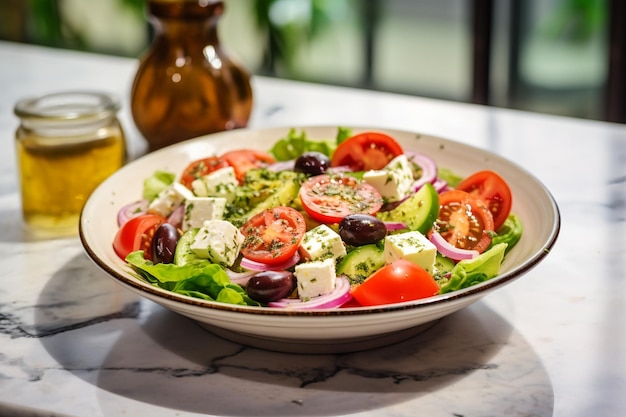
[[412, 246], [200, 209], [394, 181], [321, 243], [315, 278], [218, 241], [219, 183], [169, 199]]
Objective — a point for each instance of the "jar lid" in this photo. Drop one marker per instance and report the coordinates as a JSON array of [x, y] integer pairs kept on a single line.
[[68, 106]]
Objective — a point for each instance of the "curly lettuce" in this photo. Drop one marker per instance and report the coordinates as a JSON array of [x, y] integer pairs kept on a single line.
[[474, 271], [296, 143], [200, 279]]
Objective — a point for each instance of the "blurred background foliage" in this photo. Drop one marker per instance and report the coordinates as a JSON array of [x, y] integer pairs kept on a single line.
[[420, 47]]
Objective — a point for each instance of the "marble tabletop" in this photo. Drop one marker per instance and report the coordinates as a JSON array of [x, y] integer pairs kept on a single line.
[[553, 343]]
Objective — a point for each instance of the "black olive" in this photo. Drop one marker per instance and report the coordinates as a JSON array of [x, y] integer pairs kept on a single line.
[[269, 286], [164, 243], [361, 229], [312, 163]]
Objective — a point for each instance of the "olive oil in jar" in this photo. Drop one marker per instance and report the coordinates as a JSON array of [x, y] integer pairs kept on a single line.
[[67, 144]]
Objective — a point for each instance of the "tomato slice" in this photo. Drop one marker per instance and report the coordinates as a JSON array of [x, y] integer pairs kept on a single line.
[[399, 281], [274, 235], [201, 167], [330, 198], [243, 160], [136, 234], [464, 220], [493, 190], [364, 151]]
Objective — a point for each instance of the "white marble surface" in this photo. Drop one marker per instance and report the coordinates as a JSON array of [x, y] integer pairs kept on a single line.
[[72, 342]]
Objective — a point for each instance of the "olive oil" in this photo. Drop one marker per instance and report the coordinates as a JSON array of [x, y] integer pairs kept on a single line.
[[63, 155]]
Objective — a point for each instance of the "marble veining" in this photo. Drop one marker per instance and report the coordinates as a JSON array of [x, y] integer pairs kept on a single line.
[[74, 343]]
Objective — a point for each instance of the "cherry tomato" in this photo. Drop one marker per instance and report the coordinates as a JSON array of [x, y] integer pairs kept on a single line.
[[137, 234], [352, 302], [493, 190], [464, 220], [330, 198], [366, 151], [243, 160], [274, 235], [201, 167], [399, 281]]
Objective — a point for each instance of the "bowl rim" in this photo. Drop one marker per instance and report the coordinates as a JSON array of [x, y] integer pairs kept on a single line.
[[153, 292]]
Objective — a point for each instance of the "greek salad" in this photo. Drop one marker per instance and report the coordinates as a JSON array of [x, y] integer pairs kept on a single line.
[[350, 221]]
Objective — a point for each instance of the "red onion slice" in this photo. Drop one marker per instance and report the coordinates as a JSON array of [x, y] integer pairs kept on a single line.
[[393, 226], [260, 266], [176, 218], [240, 278], [132, 210], [282, 166], [337, 297], [450, 251], [440, 185], [428, 166], [339, 169]]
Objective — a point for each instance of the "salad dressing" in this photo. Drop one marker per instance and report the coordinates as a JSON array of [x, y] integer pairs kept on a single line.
[[67, 144]]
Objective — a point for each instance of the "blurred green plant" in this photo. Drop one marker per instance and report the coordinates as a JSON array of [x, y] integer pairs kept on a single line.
[[577, 21], [44, 23], [290, 25]]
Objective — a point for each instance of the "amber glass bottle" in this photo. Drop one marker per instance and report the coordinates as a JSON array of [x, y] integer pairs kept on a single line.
[[186, 84]]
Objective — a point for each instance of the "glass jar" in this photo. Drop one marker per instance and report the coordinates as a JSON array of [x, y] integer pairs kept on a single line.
[[186, 84], [67, 144]]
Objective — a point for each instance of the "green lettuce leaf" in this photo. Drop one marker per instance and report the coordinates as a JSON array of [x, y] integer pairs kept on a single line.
[[200, 279], [510, 233], [343, 133], [296, 143], [474, 271], [449, 176]]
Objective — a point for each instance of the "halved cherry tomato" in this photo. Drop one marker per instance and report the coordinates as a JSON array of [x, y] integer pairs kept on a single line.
[[493, 190], [330, 198], [243, 160], [399, 281], [274, 235], [364, 151], [136, 234], [464, 220], [200, 168]]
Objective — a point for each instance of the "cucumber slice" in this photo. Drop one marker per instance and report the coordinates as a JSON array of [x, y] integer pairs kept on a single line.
[[183, 255], [283, 196], [361, 263], [443, 265], [418, 212]]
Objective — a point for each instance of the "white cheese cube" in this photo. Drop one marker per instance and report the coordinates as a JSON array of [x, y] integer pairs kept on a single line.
[[401, 166], [219, 183], [394, 181], [200, 209], [412, 246], [385, 183], [218, 241], [321, 243], [315, 278], [169, 199]]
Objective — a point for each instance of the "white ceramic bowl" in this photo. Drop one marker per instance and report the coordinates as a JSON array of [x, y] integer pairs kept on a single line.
[[323, 331]]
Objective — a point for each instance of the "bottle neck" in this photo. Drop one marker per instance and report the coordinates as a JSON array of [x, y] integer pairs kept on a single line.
[[186, 18], [181, 29]]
